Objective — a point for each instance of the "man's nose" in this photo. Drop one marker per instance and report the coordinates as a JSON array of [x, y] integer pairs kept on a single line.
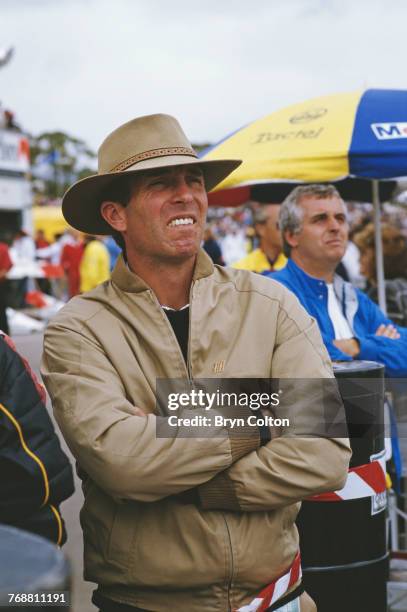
[[334, 225], [183, 191]]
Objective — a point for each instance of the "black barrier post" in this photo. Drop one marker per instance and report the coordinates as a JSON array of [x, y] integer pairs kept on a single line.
[[343, 543]]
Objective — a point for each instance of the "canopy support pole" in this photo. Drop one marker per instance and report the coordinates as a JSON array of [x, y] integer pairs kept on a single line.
[[381, 291]]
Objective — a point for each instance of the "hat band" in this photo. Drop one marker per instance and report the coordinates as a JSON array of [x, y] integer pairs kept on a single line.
[[150, 155]]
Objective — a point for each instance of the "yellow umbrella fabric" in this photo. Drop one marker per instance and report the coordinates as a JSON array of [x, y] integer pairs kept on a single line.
[[361, 134], [318, 130]]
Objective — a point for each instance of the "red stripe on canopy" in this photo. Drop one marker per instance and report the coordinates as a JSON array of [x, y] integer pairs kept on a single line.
[[229, 197]]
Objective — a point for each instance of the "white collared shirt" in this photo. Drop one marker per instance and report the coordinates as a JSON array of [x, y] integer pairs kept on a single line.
[[341, 326]]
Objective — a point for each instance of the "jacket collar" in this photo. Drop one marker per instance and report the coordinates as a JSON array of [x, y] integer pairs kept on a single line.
[[344, 291], [307, 282], [127, 281]]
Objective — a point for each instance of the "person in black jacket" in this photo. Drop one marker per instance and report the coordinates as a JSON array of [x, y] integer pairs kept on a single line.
[[35, 474]]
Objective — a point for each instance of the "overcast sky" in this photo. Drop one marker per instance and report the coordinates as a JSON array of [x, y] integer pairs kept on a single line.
[[86, 66]]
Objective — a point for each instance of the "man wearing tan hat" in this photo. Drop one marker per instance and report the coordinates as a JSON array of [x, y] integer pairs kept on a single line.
[[183, 521]]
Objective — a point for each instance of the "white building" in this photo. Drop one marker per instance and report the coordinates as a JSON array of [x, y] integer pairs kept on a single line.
[[15, 187]]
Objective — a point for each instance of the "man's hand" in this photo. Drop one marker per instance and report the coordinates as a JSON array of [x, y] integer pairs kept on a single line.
[[388, 331], [350, 346]]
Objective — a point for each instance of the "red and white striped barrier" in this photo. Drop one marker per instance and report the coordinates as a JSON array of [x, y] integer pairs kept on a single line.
[[275, 590], [363, 481]]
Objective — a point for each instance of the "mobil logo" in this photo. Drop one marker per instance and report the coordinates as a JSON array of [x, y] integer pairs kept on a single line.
[[389, 131]]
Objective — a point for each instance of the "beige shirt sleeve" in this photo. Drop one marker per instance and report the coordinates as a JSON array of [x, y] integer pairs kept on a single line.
[[119, 450], [305, 459]]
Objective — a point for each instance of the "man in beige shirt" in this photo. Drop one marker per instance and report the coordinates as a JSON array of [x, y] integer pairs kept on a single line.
[[184, 517]]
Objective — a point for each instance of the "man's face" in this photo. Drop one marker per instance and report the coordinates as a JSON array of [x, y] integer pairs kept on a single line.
[[165, 217], [269, 233], [324, 233]]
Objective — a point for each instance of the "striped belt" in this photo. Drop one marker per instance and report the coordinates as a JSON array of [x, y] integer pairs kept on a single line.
[[275, 590]]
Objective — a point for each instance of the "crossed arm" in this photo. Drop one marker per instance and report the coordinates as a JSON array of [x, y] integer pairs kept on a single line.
[[116, 443], [351, 346], [287, 469], [376, 339]]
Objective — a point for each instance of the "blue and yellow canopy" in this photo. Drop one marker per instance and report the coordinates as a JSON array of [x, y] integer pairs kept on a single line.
[[361, 134]]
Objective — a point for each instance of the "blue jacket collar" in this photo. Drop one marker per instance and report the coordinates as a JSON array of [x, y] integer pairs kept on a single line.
[[308, 283], [344, 291]]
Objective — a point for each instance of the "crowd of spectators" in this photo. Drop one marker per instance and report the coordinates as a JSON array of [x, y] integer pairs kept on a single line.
[[62, 268], [73, 262], [238, 233]]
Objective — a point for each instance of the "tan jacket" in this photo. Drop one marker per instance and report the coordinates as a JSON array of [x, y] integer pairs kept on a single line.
[[103, 354]]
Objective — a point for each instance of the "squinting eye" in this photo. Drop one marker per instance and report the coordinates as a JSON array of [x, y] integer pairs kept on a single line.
[[157, 184], [197, 179]]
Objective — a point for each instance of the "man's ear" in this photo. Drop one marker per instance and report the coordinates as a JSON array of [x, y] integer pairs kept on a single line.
[[291, 238], [115, 215]]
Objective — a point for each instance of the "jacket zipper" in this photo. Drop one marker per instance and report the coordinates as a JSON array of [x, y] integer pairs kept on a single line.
[[189, 369], [189, 374], [232, 566], [178, 348]]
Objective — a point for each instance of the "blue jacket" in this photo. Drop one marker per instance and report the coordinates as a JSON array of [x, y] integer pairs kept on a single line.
[[363, 316]]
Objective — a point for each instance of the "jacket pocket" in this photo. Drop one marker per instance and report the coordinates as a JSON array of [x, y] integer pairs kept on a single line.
[[123, 533], [96, 518]]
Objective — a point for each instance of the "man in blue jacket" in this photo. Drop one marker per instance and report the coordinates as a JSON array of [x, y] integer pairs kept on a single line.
[[314, 226]]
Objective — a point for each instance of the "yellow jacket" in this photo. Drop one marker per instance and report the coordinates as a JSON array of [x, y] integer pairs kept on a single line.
[[95, 266], [257, 261]]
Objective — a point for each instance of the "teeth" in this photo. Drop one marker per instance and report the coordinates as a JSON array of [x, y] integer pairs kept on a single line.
[[185, 221]]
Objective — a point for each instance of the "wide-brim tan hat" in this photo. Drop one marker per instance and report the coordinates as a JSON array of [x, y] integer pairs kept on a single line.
[[145, 143]]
